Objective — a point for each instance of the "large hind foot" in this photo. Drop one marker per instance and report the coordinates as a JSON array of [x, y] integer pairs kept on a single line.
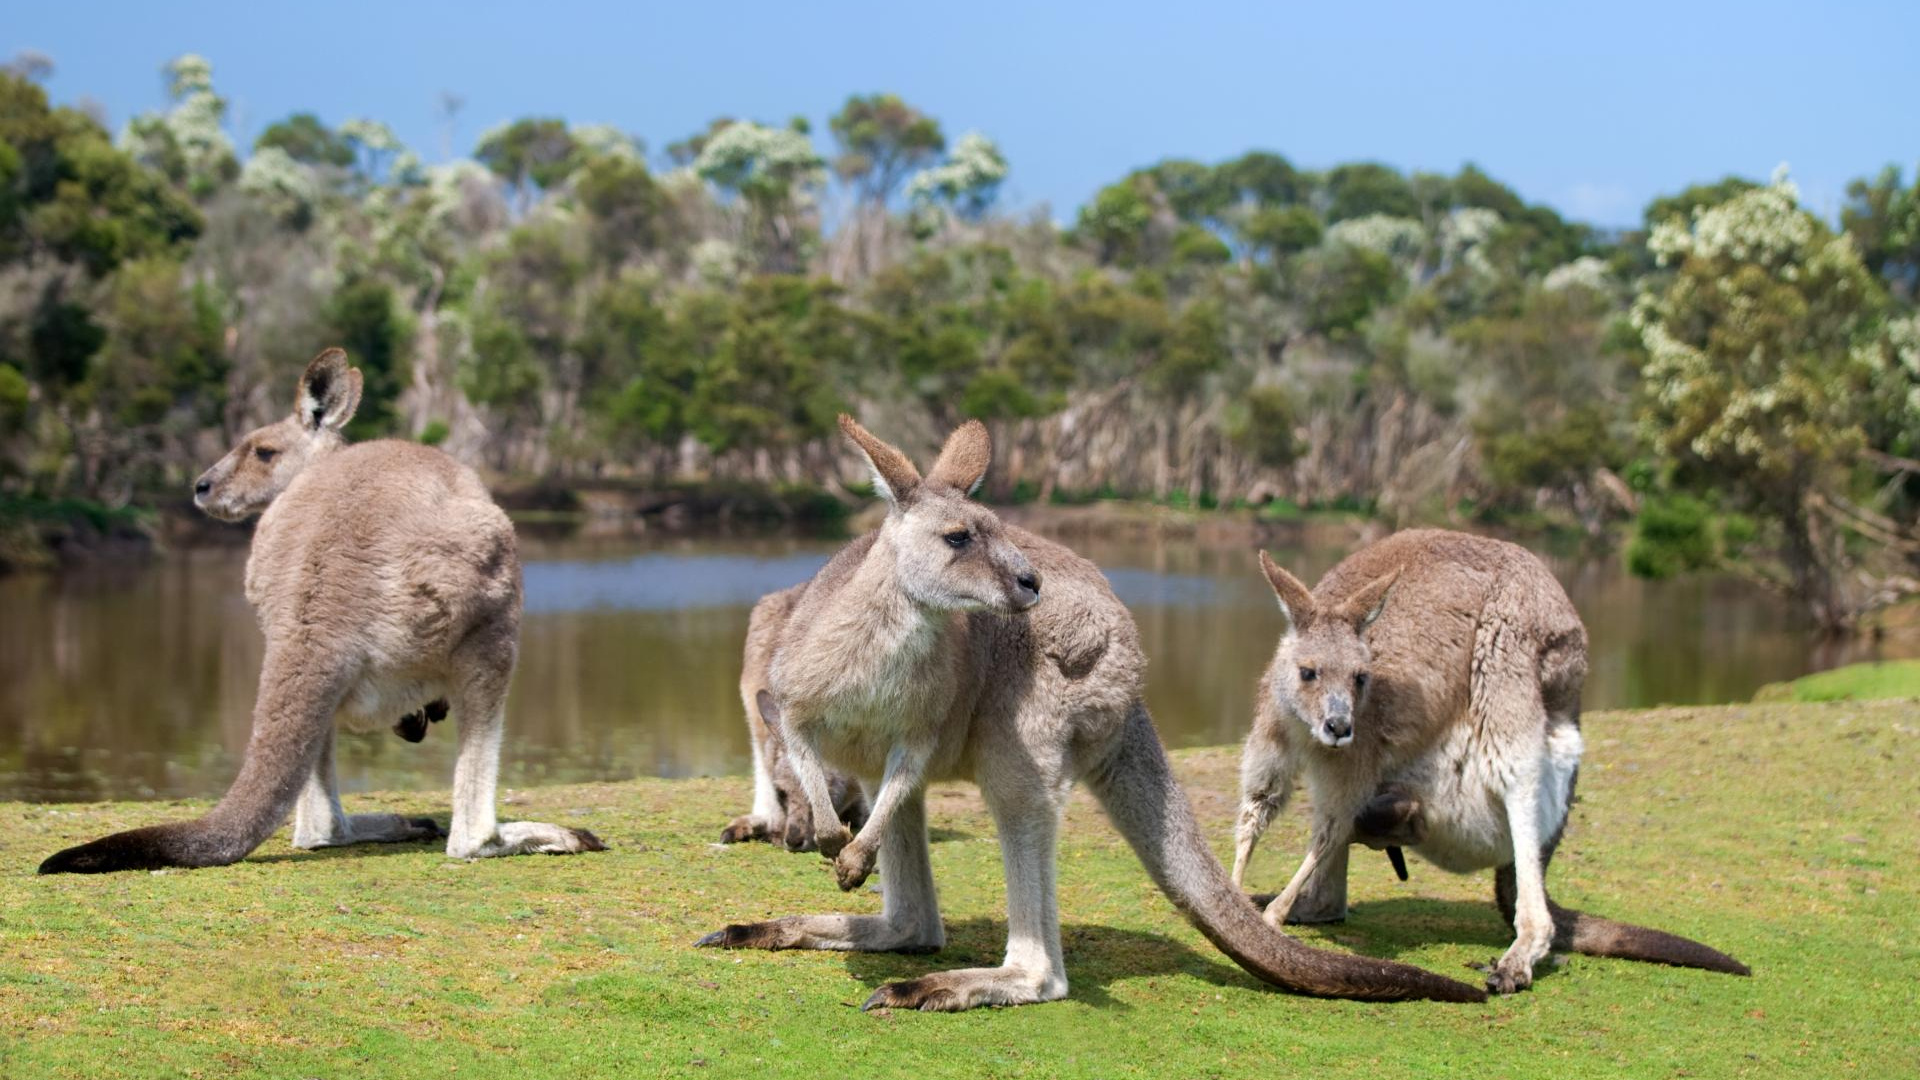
[[529, 838], [370, 829], [969, 988], [837, 933]]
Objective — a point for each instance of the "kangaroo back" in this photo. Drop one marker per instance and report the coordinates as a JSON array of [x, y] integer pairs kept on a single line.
[[1136, 786]]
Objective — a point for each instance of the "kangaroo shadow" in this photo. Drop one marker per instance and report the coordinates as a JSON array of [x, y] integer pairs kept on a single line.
[[1389, 929], [1096, 956]]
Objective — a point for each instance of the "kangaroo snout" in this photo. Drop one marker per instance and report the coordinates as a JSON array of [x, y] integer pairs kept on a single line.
[[1336, 724], [1026, 589]]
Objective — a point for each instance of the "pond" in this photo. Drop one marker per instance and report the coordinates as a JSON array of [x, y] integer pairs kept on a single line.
[[137, 682]]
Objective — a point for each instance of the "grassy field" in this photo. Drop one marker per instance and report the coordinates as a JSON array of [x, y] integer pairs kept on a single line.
[[1784, 834], [1855, 682]]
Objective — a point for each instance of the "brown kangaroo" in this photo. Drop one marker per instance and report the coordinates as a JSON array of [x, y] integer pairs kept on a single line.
[[924, 650], [780, 806], [1430, 689], [385, 580]]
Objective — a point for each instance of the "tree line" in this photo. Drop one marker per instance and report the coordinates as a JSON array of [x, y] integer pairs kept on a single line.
[[1736, 377]]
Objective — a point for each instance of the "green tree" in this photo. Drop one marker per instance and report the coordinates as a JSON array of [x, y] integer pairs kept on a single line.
[[1756, 384], [364, 318], [528, 154], [882, 140], [305, 139]]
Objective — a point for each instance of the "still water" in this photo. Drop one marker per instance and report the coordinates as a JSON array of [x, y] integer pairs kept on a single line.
[[138, 682]]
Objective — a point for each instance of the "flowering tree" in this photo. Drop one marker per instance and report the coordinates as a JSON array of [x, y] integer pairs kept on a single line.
[[772, 170], [1759, 373], [967, 181], [187, 142]]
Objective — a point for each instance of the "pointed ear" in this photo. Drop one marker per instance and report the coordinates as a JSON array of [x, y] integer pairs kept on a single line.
[[329, 392], [1296, 600], [964, 460], [894, 477], [1366, 605], [769, 709]]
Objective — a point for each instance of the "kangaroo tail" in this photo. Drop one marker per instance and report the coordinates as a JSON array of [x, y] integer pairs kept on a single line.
[[291, 719], [1136, 786], [1575, 931]]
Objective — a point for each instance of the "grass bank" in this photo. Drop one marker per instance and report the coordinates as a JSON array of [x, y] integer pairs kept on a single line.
[[1766, 830], [1878, 681]]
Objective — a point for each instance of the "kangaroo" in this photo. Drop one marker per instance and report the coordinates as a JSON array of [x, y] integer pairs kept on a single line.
[[780, 806], [385, 579], [1430, 690], [923, 650]]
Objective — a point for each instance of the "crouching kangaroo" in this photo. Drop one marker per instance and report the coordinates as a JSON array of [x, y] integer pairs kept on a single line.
[[385, 579], [1430, 689], [780, 807], [925, 650]]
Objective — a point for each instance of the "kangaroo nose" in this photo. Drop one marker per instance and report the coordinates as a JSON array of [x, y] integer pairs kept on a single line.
[[201, 487], [1029, 581]]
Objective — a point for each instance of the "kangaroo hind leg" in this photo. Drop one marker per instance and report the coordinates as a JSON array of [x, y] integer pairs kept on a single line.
[[483, 667], [910, 910], [319, 821], [1027, 813]]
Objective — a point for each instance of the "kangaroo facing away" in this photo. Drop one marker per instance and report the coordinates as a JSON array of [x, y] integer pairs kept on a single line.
[[1430, 690], [924, 650], [780, 807], [385, 580]]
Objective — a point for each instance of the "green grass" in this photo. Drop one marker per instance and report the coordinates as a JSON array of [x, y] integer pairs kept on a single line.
[[1856, 682], [1784, 834]]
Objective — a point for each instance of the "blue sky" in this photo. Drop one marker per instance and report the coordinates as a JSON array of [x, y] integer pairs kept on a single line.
[[1592, 108]]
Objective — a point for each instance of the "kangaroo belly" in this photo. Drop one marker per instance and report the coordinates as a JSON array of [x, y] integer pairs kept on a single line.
[[376, 701], [1465, 792]]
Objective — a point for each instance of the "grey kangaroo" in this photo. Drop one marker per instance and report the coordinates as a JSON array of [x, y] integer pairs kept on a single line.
[[1430, 690], [780, 807], [386, 581], [925, 650]]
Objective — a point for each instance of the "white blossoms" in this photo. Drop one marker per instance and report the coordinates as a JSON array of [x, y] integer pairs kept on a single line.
[[1585, 272], [754, 159], [1765, 225], [273, 176], [967, 178], [605, 140], [1383, 234]]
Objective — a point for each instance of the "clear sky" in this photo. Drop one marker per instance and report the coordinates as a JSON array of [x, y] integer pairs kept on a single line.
[[1593, 108]]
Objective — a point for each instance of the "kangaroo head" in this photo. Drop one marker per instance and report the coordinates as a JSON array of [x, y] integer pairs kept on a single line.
[[1324, 665], [950, 553], [257, 470]]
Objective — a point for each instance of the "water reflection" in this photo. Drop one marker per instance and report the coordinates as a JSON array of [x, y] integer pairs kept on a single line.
[[139, 682]]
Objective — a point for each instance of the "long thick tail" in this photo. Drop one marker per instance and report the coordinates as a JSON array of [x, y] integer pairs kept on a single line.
[[1575, 931], [1136, 786], [291, 717]]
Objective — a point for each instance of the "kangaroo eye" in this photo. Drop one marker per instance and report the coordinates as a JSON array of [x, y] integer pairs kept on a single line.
[[959, 538], [1308, 674], [265, 453], [1360, 681]]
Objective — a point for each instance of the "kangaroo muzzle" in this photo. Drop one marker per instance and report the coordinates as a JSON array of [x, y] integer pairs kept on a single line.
[[1023, 584], [1335, 728]]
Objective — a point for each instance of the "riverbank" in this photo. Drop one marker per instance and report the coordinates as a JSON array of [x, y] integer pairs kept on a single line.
[[1765, 830]]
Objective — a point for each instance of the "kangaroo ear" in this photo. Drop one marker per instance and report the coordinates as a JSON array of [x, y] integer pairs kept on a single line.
[[1366, 605], [329, 392], [894, 477], [769, 709], [1296, 600], [963, 461]]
